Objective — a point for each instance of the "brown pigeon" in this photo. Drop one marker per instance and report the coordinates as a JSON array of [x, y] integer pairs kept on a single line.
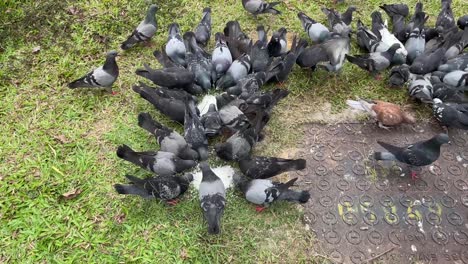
[[387, 114]]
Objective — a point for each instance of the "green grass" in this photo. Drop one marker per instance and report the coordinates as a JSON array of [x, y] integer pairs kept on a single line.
[[54, 140]]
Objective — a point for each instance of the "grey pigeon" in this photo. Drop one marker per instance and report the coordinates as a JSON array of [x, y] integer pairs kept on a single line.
[[336, 49], [398, 14], [347, 16], [265, 192], [144, 31], [203, 30], [198, 62], [175, 77], [258, 167], [456, 78], [160, 162], [374, 62], [168, 139], [102, 77], [418, 154], [173, 108], [427, 63], [316, 31], [259, 54], [454, 49], [165, 61], [166, 188], [458, 63], [221, 58], [278, 44], [381, 31], [211, 121], [256, 7], [368, 40], [421, 89], [448, 93], [175, 47], [212, 195], [336, 23], [238, 42], [451, 114], [233, 118], [311, 56], [462, 22], [194, 131], [416, 43], [238, 70]]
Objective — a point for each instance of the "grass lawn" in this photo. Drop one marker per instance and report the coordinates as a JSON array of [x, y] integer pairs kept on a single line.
[[55, 140]]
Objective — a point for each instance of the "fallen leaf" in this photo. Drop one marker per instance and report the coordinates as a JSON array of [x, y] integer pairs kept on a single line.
[[119, 218], [36, 49], [73, 10], [62, 139], [71, 194], [183, 254]]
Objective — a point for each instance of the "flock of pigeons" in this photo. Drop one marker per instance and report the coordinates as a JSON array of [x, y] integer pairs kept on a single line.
[[239, 67]]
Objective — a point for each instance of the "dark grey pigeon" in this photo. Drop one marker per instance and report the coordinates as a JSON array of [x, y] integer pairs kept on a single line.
[[175, 47], [203, 30], [418, 154], [102, 77], [421, 89], [257, 7], [336, 23], [374, 62], [164, 60], [347, 16], [259, 54], [168, 139], [173, 108], [399, 75], [233, 118], [198, 62], [456, 78], [448, 93], [194, 131], [145, 30], [265, 192], [224, 99], [454, 49], [258, 167], [239, 145], [174, 77], [287, 61], [462, 22], [166, 188], [238, 42], [212, 195], [311, 56], [278, 44], [368, 40], [316, 31], [238, 70], [451, 114], [398, 14], [445, 19], [427, 63], [221, 58], [159, 162], [173, 93], [458, 63], [211, 121]]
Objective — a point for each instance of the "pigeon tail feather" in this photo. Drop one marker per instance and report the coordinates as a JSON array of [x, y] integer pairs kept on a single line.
[[295, 196], [384, 156]]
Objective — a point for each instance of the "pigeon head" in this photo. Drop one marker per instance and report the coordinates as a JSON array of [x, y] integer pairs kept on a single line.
[[220, 38], [224, 151], [212, 215], [305, 20], [352, 9], [442, 138], [206, 10], [282, 31], [112, 54], [152, 9], [174, 29]]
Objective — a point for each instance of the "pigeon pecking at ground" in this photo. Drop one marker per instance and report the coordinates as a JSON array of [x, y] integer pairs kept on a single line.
[[145, 30], [102, 77], [258, 167], [419, 154], [165, 188], [211, 121], [265, 192], [159, 162], [386, 114], [168, 139], [194, 131], [374, 62], [316, 31], [198, 62], [256, 7], [212, 195], [175, 47], [175, 77]]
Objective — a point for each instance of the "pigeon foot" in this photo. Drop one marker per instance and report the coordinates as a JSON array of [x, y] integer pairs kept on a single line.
[[173, 202], [114, 93], [414, 176], [259, 208]]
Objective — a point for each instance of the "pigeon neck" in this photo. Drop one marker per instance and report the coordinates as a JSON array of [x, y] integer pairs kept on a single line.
[[150, 16], [111, 66], [209, 175]]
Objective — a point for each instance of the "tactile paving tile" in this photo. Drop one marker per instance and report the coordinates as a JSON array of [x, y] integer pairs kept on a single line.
[[364, 210]]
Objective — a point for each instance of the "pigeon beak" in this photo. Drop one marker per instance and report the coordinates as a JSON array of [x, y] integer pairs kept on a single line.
[[213, 217]]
